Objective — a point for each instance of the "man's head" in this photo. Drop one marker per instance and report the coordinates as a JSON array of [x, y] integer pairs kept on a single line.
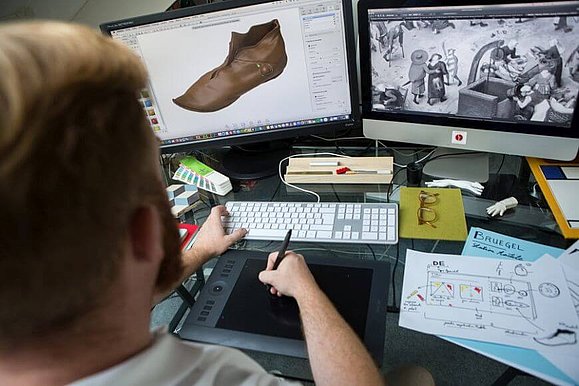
[[77, 165], [435, 58]]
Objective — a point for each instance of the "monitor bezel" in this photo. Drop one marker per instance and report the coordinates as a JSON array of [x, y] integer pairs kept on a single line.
[[354, 122], [457, 122]]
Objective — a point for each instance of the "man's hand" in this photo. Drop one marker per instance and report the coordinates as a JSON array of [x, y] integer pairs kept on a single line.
[[211, 240], [292, 277]]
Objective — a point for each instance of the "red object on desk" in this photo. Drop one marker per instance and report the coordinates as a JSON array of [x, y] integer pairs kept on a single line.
[[342, 170], [191, 231]]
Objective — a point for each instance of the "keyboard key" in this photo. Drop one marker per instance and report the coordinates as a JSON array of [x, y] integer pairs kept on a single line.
[[328, 219], [321, 227], [369, 236], [324, 234], [391, 233], [272, 233]]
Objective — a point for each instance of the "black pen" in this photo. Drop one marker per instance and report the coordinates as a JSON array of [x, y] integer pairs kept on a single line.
[[280, 255]]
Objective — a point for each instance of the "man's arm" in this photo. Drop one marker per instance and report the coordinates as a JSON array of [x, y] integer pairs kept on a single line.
[[211, 241], [337, 356]]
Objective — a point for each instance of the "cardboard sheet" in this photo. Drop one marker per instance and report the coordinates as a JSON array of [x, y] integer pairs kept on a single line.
[[450, 225]]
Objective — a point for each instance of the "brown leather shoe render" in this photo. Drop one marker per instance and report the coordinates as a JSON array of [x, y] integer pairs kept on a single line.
[[254, 58]]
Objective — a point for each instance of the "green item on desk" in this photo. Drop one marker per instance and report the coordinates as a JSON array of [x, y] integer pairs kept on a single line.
[[197, 166], [450, 223]]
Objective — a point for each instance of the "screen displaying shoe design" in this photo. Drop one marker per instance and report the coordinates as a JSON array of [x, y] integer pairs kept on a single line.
[[243, 71], [254, 58]]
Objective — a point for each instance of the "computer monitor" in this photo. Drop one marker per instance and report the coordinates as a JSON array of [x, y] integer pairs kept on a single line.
[[237, 72], [498, 78]]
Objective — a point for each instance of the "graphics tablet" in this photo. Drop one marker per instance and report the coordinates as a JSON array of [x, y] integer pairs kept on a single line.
[[234, 308]]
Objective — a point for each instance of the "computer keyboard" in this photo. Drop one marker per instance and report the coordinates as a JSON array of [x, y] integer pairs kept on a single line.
[[361, 223]]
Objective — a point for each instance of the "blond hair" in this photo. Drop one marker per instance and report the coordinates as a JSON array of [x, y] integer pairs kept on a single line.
[[75, 162]]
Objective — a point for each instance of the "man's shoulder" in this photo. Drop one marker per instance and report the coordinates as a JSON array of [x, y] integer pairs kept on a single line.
[[170, 361], [217, 365]]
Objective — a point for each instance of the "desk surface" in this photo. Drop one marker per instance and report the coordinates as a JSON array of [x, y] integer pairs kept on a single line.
[[449, 363]]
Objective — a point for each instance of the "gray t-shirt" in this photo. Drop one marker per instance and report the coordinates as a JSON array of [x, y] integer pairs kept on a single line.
[[171, 362]]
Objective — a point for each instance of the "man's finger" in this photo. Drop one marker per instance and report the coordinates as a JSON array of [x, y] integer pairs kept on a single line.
[[219, 209], [267, 277], [271, 260], [236, 235]]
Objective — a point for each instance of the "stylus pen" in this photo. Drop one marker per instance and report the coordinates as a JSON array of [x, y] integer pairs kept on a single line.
[[281, 253]]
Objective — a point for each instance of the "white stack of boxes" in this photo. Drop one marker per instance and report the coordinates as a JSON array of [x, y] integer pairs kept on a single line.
[[182, 198]]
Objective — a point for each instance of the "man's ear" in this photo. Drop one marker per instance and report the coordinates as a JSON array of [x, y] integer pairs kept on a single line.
[[146, 234]]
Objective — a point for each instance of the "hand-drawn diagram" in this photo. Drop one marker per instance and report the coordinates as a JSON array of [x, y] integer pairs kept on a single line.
[[521, 270], [507, 296], [509, 302], [549, 290], [559, 338], [484, 294]]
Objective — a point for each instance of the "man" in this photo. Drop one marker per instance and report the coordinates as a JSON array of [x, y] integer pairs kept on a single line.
[[417, 73], [553, 55], [87, 240], [437, 71], [510, 50], [451, 61]]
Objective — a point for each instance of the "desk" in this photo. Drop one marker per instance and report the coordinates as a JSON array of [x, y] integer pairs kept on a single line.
[[450, 364]]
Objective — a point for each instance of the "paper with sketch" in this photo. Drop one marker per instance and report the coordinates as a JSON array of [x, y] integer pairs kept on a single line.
[[485, 243], [571, 256], [566, 364], [523, 304], [572, 277]]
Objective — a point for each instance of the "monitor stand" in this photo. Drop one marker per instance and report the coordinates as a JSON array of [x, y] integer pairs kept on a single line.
[[255, 161], [468, 167]]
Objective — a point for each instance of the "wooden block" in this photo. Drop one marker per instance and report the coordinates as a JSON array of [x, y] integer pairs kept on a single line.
[[300, 170]]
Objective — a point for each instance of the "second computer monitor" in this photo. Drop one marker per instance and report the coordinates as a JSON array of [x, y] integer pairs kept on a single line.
[[500, 78]]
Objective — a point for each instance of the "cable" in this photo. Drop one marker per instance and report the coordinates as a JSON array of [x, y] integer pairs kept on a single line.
[[452, 155], [372, 250], [275, 192], [403, 166], [304, 155], [359, 153], [338, 139], [434, 246], [407, 155], [292, 377], [335, 193], [501, 165], [394, 307], [391, 183]]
